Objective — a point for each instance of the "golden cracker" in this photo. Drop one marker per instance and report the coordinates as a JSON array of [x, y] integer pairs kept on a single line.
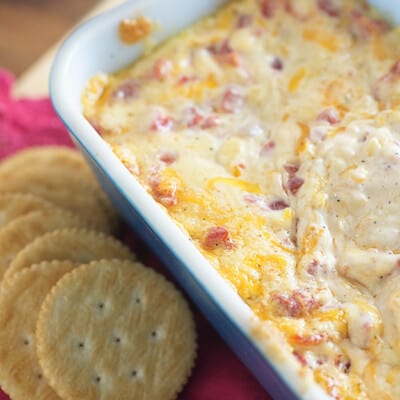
[[14, 205], [23, 230], [66, 190], [48, 157], [115, 330], [20, 300], [78, 245]]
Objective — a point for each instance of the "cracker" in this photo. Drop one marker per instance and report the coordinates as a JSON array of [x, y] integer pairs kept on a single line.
[[20, 300], [23, 230], [79, 245], [66, 190], [115, 330], [14, 205], [48, 157]]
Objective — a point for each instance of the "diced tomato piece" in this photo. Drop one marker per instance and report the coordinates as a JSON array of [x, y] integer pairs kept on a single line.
[[329, 115], [162, 123], [268, 8], [364, 27], [244, 21], [291, 169], [296, 304], [313, 267], [167, 157], [126, 90], [329, 7], [267, 148], [217, 236], [301, 358], [224, 53], [384, 86], [165, 192], [210, 122], [277, 64], [193, 117], [278, 205], [294, 183], [232, 101], [162, 68], [185, 79]]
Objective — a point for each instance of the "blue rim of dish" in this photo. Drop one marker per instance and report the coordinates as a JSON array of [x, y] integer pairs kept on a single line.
[[275, 377]]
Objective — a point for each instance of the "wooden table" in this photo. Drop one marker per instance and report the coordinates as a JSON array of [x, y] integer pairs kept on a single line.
[[27, 30]]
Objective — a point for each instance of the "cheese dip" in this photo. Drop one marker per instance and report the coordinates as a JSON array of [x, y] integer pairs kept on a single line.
[[270, 132]]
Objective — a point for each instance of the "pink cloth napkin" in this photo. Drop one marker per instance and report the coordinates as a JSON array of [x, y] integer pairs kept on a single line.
[[218, 374]]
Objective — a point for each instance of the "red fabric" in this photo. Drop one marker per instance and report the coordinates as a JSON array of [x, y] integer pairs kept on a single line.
[[218, 374]]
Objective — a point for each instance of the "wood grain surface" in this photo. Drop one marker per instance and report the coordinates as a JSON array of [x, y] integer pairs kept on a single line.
[[29, 27]]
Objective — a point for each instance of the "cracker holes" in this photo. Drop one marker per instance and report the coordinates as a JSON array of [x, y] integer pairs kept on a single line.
[[154, 334], [117, 340], [138, 300], [97, 379], [26, 342], [100, 306], [134, 373], [81, 345], [39, 376]]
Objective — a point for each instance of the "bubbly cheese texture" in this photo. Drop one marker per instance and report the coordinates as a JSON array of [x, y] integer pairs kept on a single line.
[[270, 132]]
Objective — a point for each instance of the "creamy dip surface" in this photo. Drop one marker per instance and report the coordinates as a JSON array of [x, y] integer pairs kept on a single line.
[[270, 132]]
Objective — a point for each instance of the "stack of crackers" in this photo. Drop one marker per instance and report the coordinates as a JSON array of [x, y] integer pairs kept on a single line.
[[80, 317]]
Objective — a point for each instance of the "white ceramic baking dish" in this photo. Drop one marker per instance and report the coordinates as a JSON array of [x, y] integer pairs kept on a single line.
[[94, 47]]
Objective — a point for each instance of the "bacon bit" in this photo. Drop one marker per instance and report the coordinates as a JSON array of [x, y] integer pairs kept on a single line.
[[329, 115], [244, 21], [364, 27], [224, 53], [217, 236], [127, 90], [291, 169], [278, 205], [300, 358], [210, 122], [164, 192], [163, 123], [167, 157], [299, 303], [329, 7], [277, 64], [268, 8], [231, 101], [294, 184], [267, 148], [162, 68], [308, 340]]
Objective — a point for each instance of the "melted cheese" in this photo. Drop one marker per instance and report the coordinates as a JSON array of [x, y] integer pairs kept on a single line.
[[270, 133]]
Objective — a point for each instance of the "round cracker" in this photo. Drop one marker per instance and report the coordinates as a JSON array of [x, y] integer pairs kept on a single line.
[[14, 205], [23, 230], [48, 157], [66, 190], [20, 300], [78, 245], [115, 330]]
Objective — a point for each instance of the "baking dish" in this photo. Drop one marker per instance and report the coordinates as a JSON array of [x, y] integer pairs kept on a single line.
[[80, 58]]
